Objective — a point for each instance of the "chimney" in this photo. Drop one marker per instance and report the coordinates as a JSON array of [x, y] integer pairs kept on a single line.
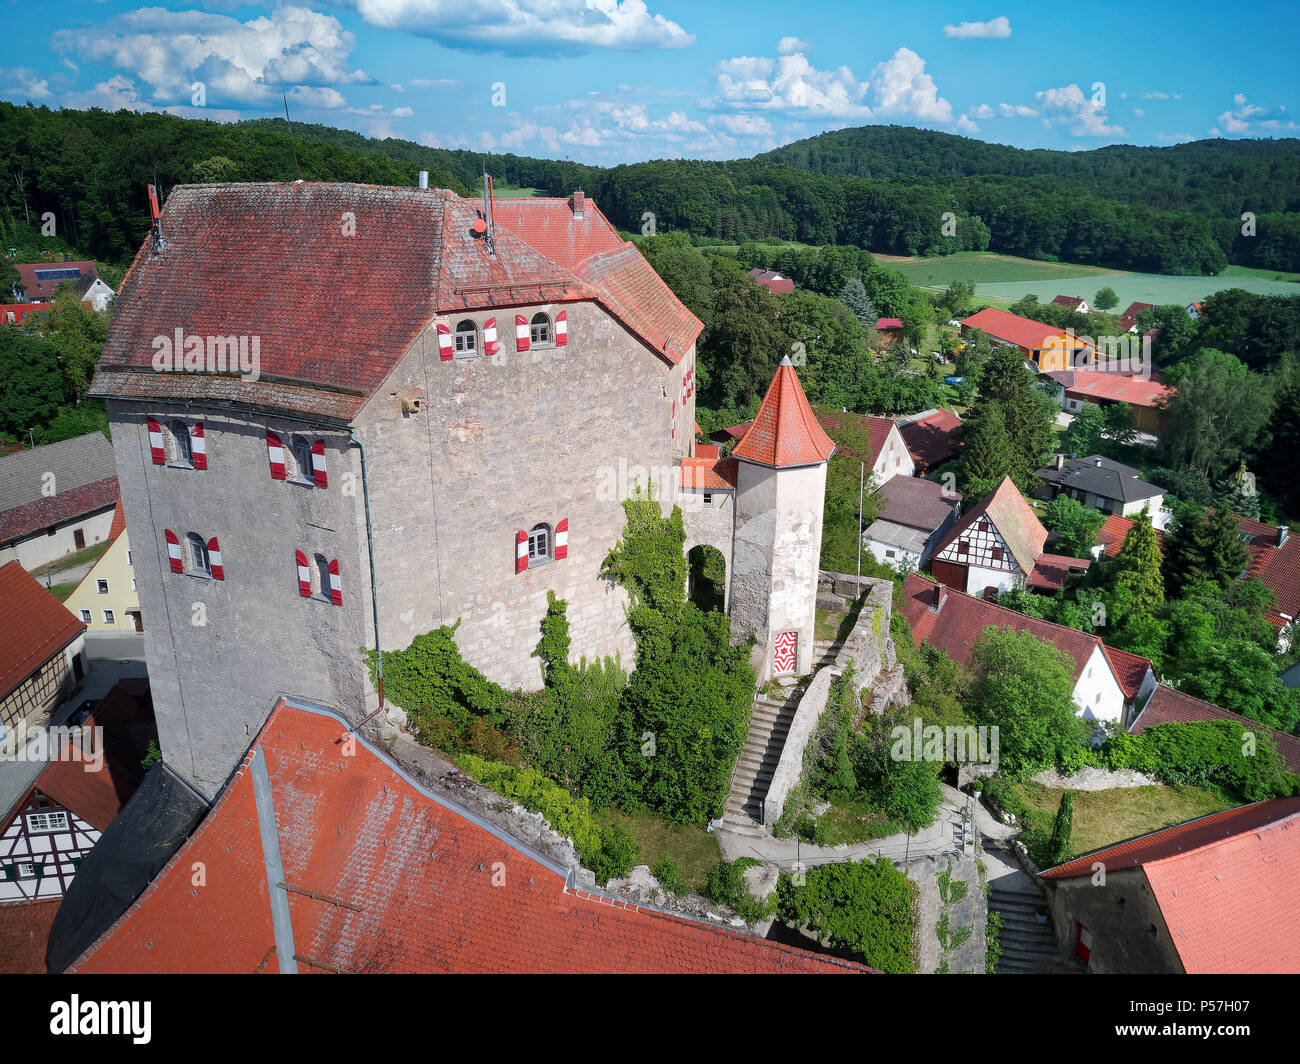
[[939, 598], [424, 178], [579, 202], [1060, 461], [1282, 533], [1096, 461]]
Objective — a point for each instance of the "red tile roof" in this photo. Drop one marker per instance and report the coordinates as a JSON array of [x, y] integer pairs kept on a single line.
[[772, 281], [1014, 519], [119, 520], [877, 428], [1113, 531], [1023, 332], [1169, 706], [427, 889], [44, 290], [1068, 301], [932, 439], [784, 431], [34, 626], [307, 288], [96, 797], [24, 932], [888, 323], [709, 472], [1090, 384], [1050, 570], [1130, 669], [963, 618], [1180, 838], [1231, 905], [53, 509]]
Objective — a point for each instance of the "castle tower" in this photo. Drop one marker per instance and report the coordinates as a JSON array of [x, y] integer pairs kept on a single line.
[[780, 490]]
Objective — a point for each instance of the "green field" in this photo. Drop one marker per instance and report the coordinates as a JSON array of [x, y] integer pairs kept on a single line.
[[984, 267], [515, 193]]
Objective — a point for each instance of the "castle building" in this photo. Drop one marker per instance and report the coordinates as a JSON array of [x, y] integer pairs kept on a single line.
[[344, 415]]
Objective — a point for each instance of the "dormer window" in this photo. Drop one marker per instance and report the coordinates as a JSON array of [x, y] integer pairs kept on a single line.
[[466, 340], [539, 330]]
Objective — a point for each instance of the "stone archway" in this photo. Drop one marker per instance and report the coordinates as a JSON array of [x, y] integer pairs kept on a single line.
[[706, 581]]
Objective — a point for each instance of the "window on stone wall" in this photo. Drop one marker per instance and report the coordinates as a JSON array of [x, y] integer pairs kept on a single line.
[[200, 565], [708, 498], [539, 330], [539, 545], [466, 340], [181, 452]]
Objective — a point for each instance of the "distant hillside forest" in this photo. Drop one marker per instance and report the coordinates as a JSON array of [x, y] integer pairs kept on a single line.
[[888, 189]]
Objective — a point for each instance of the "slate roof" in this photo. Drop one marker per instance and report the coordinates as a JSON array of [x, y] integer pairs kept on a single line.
[[420, 879], [336, 307], [1169, 706], [931, 436], [34, 626], [44, 290], [85, 480], [1014, 519], [1102, 476], [916, 503], [784, 432], [963, 618]]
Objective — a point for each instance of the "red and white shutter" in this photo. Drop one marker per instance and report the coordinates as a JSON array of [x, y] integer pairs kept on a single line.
[[318, 464], [173, 551], [444, 342], [562, 539], [561, 328], [521, 551], [336, 585], [275, 451], [198, 446], [522, 336], [214, 559], [304, 574], [490, 343], [156, 447]]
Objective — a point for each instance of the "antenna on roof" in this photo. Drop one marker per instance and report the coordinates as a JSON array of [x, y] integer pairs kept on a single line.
[[487, 213], [292, 146], [157, 219]]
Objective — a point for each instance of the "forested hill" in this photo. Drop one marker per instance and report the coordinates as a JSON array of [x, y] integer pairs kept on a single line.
[[1159, 210], [1221, 177]]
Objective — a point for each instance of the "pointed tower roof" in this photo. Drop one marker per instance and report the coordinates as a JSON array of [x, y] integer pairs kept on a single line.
[[784, 431]]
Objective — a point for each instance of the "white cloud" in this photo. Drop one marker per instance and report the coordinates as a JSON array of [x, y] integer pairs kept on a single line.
[[788, 83], [1249, 118], [1085, 117], [1004, 110], [966, 125], [904, 88], [1139, 113], [744, 125], [403, 112], [1162, 96], [118, 93], [316, 97], [24, 82], [983, 111], [791, 45], [527, 26], [238, 62], [994, 27]]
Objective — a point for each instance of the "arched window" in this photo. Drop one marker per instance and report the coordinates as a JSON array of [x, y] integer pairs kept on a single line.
[[540, 329], [182, 452], [539, 545], [301, 449], [200, 563], [466, 339], [320, 577]]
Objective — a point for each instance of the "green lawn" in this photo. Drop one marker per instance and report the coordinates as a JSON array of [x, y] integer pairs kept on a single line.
[[499, 192], [1103, 818], [1267, 275], [89, 554], [693, 848], [848, 821], [62, 591]]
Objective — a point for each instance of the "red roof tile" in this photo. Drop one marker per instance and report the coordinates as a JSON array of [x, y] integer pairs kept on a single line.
[[1014, 520], [51, 510], [878, 429], [1050, 570], [34, 626], [1068, 301], [45, 290], [1230, 906], [1181, 838], [963, 618], [24, 933], [119, 521], [1130, 669], [709, 472], [933, 439], [784, 432], [1169, 706], [1090, 384], [433, 890], [1023, 332]]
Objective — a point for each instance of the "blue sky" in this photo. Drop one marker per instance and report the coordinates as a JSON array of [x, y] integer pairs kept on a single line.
[[610, 81]]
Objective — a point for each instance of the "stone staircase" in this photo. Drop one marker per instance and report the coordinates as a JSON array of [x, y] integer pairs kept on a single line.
[[824, 653], [768, 726], [1027, 946]]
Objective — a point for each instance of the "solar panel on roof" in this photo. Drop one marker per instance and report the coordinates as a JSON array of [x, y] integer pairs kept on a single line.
[[64, 274]]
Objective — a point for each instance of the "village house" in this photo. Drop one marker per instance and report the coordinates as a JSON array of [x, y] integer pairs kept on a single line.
[[932, 438], [885, 452], [39, 281], [423, 465], [997, 546], [772, 281], [19, 313], [1076, 388], [56, 499], [1214, 895], [106, 599], [1075, 303], [1044, 346], [1106, 485], [889, 331], [42, 650], [916, 515], [1128, 320]]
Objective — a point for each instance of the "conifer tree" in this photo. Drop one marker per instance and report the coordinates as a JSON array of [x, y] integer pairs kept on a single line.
[[987, 455], [1138, 567], [854, 296], [1059, 845]]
